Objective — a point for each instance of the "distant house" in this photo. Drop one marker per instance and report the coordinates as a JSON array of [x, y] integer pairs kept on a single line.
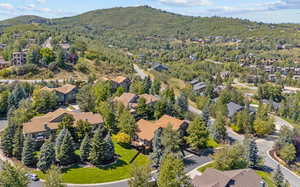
[[272, 77], [121, 81], [18, 58], [274, 104], [40, 127], [146, 129], [66, 93], [3, 63], [225, 74], [65, 46], [130, 100], [159, 67], [233, 178], [199, 88], [233, 108]]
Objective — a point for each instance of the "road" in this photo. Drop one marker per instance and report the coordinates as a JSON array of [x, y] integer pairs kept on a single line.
[[9, 81], [139, 71]]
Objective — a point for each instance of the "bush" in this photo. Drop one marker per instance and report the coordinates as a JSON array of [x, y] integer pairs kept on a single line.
[[82, 67], [25, 69], [52, 66], [122, 138]]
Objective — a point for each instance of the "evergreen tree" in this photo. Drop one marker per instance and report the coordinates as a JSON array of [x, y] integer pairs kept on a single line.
[[65, 152], [17, 95], [59, 139], [28, 152], [85, 148], [147, 84], [157, 147], [182, 102], [206, 115], [18, 143], [47, 156], [278, 177], [102, 148], [172, 173], [251, 152], [219, 133], [142, 110], [198, 134], [7, 141], [170, 141], [106, 110]]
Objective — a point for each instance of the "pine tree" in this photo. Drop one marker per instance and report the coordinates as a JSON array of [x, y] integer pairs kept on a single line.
[[127, 123], [278, 177], [18, 143], [172, 173], [251, 152], [11, 176], [7, 141], [198, 134], [155, 87], [59, 140], [182, 102], [97, 147], [157, 153], [109, 149], [85, 148], [65, 154], [47, 156], [147, 84], [102, 149], [206, 115], [219, 133], [28, 152]]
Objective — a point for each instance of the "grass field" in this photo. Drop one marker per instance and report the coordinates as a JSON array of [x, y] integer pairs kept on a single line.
[[115, 172]]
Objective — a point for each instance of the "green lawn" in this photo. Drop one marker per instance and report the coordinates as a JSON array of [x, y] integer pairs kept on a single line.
[[211, 143], [266, 176], [118, 171]]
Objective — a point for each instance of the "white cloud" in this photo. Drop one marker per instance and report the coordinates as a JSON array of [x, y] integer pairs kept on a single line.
[[187, 2], [6, 6], [41, 1]]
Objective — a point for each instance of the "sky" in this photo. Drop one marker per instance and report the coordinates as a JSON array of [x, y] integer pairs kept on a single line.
[[268, 11]]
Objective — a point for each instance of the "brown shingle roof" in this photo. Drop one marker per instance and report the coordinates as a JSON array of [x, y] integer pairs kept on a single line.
[[126, 99], [149, 98], [65, 89], [119, 79], [52, 119], [236, 178], [146, 129]]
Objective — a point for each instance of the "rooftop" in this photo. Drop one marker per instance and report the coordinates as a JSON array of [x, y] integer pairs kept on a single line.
[[52, 119], [65, 89]]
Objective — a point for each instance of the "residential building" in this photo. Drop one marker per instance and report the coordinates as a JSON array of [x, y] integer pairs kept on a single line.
[[40, 127], [233, 178], [146, 129], [120, 81], [3, 63], [130, 100], [159, 67], [18, 58], [199, 88], [233, 108], [66, 93]]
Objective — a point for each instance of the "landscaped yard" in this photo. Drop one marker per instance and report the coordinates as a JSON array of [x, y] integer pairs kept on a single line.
[[265, 175], [115, 172]]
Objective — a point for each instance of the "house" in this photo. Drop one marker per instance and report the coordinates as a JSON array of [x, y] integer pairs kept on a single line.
[[159, 67], [233, 108], [272, 77], [194, 81], [40, 127], [120, 81], [199, 88], [66, 93], [3, 63], [130, 100], [18, 58], [146, 129], [233, 178], [275, 105], [225, 74]]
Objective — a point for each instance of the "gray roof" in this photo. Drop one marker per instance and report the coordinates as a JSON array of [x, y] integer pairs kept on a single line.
[[275, 105], [194, 81], [158, 66], [199, 86], [233, 108]]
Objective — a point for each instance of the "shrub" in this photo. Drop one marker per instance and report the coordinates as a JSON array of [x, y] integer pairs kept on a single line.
[[122, 138]]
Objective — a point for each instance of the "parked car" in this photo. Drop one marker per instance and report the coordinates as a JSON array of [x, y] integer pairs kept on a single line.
[[32, 177]]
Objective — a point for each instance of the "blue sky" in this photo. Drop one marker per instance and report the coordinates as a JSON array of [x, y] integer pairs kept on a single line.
[[271, 11]]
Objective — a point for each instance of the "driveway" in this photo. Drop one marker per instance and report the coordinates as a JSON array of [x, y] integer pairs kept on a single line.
[[3, 124], [139, 71]]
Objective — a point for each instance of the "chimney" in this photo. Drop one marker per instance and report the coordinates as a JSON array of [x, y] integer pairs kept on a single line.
[[46, 126], [262, 184]]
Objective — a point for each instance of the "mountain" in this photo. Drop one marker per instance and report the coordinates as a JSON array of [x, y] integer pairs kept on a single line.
[[130, 27]]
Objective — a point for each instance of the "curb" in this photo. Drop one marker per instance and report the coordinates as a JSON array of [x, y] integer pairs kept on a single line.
[[278, 163]]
